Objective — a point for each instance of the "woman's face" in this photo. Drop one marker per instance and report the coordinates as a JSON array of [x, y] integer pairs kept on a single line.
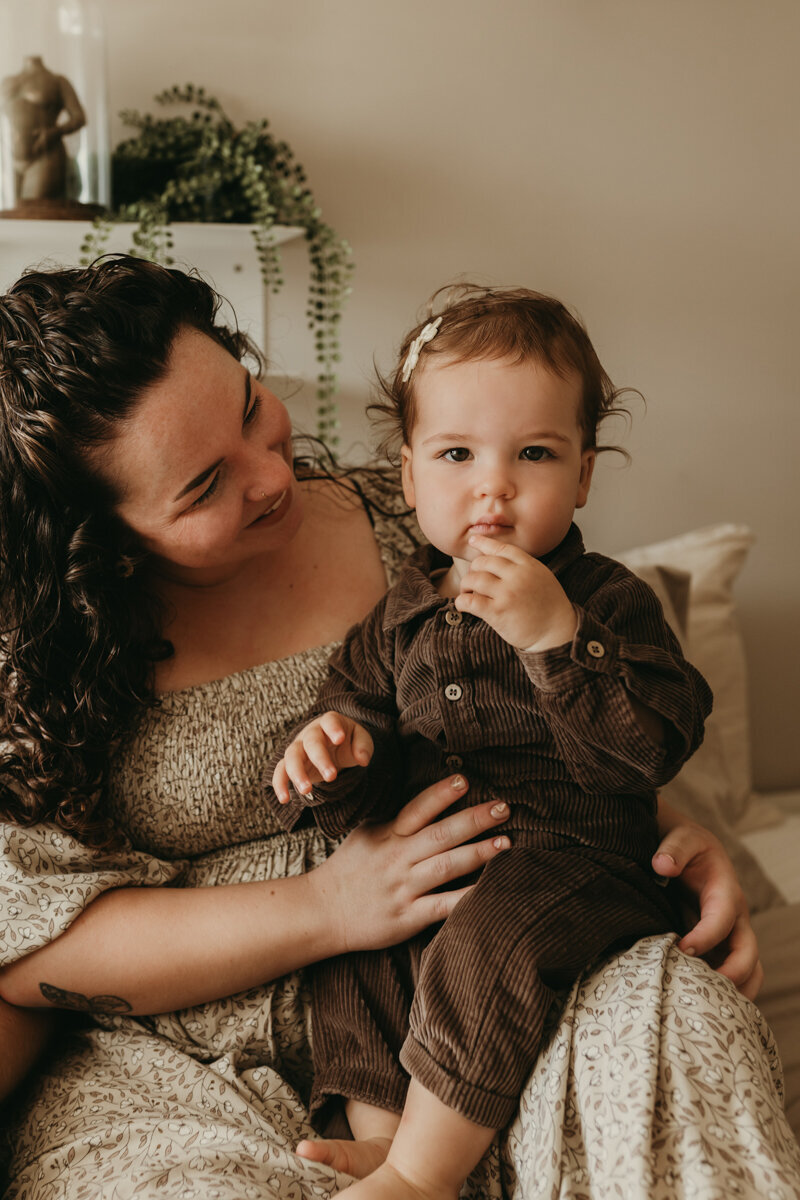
[[204, 465]]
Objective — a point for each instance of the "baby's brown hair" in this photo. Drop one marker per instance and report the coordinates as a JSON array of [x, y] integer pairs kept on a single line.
[[475, 322]]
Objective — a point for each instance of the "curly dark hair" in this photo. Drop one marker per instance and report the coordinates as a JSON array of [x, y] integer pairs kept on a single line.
[[80, 633], [484, 322]]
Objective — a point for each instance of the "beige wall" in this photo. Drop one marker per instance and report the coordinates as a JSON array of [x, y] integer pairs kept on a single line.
[[638, 159]]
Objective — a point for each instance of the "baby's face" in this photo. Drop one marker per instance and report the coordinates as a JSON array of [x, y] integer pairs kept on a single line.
[[496, 450]]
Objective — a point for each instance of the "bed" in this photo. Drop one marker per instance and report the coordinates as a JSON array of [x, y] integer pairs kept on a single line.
[[694, 575]]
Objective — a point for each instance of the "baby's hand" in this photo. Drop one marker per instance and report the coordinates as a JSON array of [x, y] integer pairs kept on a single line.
[[517, 595], [323, 748]]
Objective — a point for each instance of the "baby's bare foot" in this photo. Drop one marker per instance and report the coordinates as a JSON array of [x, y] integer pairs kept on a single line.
[[386, 1183], [353, 1158]]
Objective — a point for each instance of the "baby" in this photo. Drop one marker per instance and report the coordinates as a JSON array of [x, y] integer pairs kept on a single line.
[[546, 674]]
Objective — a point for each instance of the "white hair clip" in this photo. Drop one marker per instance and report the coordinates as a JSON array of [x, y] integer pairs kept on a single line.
[[412, 358]]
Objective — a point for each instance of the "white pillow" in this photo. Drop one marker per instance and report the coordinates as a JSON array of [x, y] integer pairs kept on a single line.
[[714, 787], [713, 557]]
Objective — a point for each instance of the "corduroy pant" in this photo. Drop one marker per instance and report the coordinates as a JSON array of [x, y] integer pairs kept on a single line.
[[461, 1009]]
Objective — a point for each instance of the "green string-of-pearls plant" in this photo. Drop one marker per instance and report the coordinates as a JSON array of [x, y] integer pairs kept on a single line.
[[200, 167]]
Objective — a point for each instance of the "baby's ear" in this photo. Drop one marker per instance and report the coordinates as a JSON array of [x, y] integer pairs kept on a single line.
[[407, 476], [588, 459]]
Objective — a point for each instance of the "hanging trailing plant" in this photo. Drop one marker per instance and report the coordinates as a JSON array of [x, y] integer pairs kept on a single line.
[[200, 167]]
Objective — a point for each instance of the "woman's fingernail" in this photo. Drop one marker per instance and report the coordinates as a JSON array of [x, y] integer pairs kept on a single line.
[[458, 782], [690, 950], [499, 810], [501, 843], [662, 854]]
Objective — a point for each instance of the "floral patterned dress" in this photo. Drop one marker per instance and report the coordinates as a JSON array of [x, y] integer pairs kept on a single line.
[[657, 1081]]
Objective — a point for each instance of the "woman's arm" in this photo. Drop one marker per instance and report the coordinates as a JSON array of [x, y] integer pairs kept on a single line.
[[723, 934], [23, 1036], [149, 950]]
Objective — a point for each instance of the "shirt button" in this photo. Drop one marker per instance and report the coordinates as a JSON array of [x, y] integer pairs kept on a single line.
[[596, 649], [453, 616], [453, 691], [454, 762]]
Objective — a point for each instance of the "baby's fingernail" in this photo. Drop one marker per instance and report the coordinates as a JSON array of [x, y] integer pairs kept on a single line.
[[662, 854], [330, 773], [499, 810], [458, 782], [690, 950]]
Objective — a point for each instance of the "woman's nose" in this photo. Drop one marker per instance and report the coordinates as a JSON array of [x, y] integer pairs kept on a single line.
[[268, 476]]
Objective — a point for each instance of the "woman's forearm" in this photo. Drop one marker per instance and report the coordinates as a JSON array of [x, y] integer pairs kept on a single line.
[[23, 1036], [150, 950]]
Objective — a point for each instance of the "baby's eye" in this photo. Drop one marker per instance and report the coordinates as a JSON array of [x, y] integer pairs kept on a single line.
[[456, 454], [535, 453]]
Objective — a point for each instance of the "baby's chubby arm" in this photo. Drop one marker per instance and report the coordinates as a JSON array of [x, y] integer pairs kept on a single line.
[[328, 744]]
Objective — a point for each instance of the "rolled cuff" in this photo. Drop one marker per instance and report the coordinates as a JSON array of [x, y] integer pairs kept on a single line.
[[494, 1110]]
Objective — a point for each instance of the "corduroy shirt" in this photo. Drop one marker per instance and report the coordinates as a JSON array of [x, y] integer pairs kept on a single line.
[[551, 732]]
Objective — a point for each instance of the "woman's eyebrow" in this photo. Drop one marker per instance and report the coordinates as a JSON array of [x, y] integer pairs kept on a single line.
[[203, 476]]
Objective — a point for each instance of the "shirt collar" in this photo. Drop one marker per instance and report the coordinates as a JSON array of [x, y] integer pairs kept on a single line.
[[414, 594], [566, 552]]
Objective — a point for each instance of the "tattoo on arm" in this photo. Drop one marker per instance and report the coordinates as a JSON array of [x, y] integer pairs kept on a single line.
[[78, 1003]]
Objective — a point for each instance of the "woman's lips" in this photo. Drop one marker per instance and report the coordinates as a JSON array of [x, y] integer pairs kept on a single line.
[[273, 508]]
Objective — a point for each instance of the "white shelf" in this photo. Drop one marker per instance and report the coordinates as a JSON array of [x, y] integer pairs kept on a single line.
[[224, 254], [68, 233]]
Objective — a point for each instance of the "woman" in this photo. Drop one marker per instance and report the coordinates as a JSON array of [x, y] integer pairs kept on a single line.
[[172, 585]]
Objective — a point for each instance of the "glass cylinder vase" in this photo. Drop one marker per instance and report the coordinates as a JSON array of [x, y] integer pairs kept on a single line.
[[54, 142]]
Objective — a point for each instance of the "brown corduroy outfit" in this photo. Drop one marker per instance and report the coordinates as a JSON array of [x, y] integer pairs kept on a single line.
[[553, 734]]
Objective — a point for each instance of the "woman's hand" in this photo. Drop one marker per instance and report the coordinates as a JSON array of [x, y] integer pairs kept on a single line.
[[380, 879], [723, 934]]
